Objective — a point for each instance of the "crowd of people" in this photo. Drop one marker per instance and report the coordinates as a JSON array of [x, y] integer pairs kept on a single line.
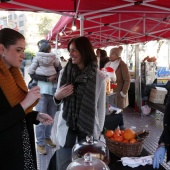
[[77, 90]]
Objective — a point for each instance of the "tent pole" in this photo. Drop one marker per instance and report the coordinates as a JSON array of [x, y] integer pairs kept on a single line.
[[81, 25], [138, 94], [127, 54], [168, 54], [56, 45]]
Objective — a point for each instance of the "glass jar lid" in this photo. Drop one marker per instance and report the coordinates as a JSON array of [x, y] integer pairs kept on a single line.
[[87, 162], [97, 149]]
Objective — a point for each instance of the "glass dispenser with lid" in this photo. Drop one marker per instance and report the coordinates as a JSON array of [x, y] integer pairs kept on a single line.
[[97, 149], [88, 162]]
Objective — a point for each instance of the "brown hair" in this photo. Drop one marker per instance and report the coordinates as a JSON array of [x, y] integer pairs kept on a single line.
[[9, 37], [45, 47], [103, 53], [85, 48]]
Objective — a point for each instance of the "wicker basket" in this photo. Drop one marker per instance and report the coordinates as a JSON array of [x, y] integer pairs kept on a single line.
[[121, 149]]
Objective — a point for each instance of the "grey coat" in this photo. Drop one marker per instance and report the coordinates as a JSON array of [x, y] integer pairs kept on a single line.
[[100, 110]]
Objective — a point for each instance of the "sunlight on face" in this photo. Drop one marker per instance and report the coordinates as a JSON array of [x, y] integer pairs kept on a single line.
[[75, 56], [14, 54]]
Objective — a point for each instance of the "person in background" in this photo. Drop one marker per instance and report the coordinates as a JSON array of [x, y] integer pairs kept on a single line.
[[41, 42], [45, 63], [98, 52], [16, 114], [98, 56], [22, 68], [103, 58], [164, 141], [63, 61], [82, 93], [122, 78], [37, 77]]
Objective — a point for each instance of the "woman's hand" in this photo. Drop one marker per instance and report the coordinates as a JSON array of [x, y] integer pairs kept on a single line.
[[31, 97], [45, 119], [64, 91]]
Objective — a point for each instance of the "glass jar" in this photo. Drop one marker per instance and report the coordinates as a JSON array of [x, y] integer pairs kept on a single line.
[[88, 162], [97, 149]]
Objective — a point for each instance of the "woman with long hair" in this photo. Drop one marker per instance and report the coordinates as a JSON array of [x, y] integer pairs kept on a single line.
[[81, 92]]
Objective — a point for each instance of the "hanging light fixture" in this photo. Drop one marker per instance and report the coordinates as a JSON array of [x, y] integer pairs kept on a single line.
[[59, 43], [74, 25], [61, 33]]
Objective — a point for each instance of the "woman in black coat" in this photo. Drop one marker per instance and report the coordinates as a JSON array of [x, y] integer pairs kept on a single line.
[[164, 141], [17, 147]]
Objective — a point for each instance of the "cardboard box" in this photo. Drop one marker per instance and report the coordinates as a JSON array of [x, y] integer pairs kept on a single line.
[[157, 95], [158, 92], [155, 100]]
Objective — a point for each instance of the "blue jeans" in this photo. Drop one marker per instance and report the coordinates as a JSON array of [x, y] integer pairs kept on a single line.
[[45, 105]]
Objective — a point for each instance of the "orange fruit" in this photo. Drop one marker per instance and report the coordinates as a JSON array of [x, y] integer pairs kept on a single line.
[[109, 133], [112, 138], [119, 138], [129, 134], [133, 140], [122, 132], [125, 141], [117, 131], [116, 135]]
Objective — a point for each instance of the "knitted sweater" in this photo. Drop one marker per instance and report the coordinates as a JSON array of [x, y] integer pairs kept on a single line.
[[12, 91], [13, 85]]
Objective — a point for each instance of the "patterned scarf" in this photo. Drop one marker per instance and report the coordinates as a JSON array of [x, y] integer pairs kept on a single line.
[[13, 85], [79, 108]]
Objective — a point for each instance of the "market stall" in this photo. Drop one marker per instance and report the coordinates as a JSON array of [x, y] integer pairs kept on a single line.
[[106, 23]]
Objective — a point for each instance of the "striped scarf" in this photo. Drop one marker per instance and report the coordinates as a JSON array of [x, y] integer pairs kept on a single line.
[[13, 85], [79, 108]]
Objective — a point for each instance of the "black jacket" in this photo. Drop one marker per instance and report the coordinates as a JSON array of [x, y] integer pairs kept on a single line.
[[11, 125], [165, 137]]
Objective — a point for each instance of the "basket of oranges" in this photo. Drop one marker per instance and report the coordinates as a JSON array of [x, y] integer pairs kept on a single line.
[[125, 143]]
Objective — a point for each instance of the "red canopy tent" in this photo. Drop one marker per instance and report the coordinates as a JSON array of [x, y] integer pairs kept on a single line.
[[127, 22], [104, 22]]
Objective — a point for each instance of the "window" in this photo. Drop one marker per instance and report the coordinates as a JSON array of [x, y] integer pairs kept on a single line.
[[15, 16], [10, 17], [21, 23], [22, 32], [21, 15]]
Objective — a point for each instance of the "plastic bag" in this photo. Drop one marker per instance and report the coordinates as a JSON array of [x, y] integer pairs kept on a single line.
[[146, 110]]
